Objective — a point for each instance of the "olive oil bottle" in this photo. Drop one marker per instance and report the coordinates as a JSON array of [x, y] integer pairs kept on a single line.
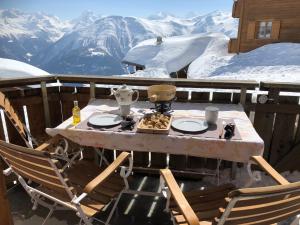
[[76, 113]]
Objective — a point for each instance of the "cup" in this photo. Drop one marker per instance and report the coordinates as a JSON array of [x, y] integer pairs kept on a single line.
[[211, 114], [124, 110]]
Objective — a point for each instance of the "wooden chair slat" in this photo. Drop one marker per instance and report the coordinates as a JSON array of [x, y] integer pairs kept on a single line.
[[258, 201], [38, 180], [265, 207], [265, 218], [25, 157], [12, 115], [35, 166], [35, 173], [260, 191]]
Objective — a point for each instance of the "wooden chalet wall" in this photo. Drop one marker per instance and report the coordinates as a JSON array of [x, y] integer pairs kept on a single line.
[[285, 15]]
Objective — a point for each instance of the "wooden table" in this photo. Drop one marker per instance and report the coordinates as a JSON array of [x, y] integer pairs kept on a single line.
[[241, 150]]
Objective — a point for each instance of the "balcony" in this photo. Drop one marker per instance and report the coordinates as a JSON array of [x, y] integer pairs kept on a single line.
[[47, 101]]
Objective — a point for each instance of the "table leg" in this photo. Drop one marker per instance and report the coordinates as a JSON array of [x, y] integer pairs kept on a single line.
[[100, 157], [255, 176], [233, 170]]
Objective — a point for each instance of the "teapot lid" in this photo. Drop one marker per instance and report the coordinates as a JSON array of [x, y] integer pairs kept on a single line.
[[124, 88]]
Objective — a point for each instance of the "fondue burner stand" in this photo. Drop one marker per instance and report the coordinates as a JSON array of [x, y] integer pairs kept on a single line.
[[164, 106]]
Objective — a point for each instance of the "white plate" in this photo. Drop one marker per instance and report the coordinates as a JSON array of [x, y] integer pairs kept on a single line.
[[190, 125], [105, 120]]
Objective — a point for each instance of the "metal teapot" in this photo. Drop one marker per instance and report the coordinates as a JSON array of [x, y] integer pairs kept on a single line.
[[124, 95]]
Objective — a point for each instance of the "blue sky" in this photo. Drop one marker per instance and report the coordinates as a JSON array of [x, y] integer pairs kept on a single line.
[[68, 9]]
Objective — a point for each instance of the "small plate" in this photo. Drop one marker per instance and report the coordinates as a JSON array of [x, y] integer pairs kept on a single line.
[[105, 120], [190, 125]]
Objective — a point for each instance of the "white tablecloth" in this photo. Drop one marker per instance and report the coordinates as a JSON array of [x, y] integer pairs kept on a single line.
[[234, 150]]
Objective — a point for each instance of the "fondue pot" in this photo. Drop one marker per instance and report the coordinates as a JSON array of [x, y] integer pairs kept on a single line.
[[161, 93]]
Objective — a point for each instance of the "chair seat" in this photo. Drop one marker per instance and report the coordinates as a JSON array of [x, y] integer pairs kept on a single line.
[[79, 176], [85, 171], [205, 203], [89, 206]]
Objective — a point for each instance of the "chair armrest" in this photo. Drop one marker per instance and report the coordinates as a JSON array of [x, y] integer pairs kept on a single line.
[[181, 201], [106, 173], [270, 170], [46, 145]]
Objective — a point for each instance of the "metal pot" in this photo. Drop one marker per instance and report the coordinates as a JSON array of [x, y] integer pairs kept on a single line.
[[161, 93]]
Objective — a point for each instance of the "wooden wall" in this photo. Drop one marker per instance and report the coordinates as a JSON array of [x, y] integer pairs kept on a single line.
[[286, 12]]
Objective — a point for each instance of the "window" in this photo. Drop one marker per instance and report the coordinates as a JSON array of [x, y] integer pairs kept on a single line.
[[265, 30]]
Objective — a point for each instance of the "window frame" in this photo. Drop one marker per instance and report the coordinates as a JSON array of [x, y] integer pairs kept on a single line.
[[267, 32]]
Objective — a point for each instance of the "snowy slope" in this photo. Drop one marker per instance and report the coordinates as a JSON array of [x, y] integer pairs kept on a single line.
[[173, 54], [12, 68], [23, 35], [210, 59], [277, 62], [216, 22]]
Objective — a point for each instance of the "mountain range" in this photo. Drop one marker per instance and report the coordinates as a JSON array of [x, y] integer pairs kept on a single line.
[[93, 44]]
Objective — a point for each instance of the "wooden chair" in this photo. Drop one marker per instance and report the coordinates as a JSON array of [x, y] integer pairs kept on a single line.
[[58, 146], [84, 187], [225, 205]]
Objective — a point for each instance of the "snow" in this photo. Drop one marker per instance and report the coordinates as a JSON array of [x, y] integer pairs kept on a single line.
[[152, 73], [276, 62], [209, 58], [15, 69], [15, 23], [172, 55]]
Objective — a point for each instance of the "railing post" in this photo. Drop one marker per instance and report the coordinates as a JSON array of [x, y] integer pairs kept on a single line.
[[5, 214], [46, 104], [243, 95], [92, 90]]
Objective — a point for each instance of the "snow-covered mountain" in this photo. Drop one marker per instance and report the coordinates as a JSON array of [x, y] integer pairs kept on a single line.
[[93, 44], [23, 35]]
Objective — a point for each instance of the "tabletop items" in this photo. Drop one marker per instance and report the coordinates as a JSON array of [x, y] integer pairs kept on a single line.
[[242, 145], [160, 120], [105, 120], [76, 113], [229, 130], [211, 114], [161, 93], [162, 96], [155, 123], [124, 96], [190, 125]]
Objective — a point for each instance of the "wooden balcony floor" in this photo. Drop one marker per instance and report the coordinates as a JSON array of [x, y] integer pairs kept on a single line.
[[131, 210]]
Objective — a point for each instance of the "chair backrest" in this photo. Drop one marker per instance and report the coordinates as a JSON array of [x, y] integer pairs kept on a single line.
[[264, 205], [13, 117], [37, 166]]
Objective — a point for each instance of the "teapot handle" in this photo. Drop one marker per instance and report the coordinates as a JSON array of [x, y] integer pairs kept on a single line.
[[137, 96]]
